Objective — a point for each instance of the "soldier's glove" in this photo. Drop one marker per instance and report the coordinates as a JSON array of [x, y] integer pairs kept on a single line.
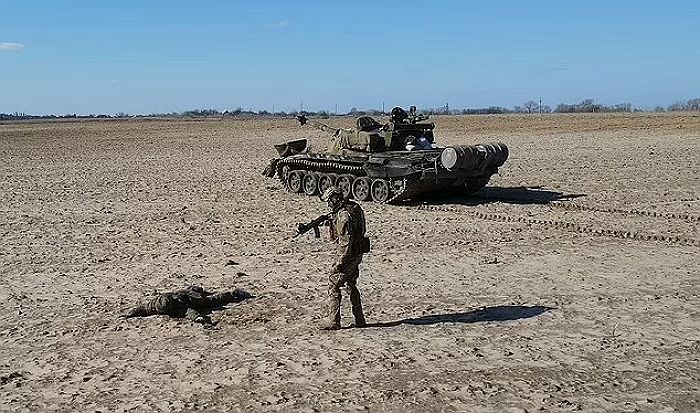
[[301, 229]]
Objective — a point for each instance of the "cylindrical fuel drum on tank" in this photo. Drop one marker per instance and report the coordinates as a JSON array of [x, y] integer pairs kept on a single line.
[[497, 153], [472, 156], [460, 157]]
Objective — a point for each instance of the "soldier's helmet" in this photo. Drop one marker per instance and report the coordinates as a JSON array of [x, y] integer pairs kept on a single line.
[[398, 115], [330, 192]]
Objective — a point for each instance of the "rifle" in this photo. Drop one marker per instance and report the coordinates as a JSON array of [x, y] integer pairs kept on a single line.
[[314, 224]]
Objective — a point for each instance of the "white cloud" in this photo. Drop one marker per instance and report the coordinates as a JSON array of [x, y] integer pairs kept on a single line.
[[8, 46], [279, 25]]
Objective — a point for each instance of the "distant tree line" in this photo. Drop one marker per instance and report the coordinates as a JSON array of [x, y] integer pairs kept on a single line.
[[24, 116], [529, 107], [588, 106], [692, 105], [585, 106]]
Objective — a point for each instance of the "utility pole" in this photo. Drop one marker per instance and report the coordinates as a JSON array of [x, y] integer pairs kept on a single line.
[[336, 109], [540, 106], [382, 108]]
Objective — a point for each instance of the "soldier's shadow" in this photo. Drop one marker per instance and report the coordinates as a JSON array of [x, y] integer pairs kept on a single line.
[[496, 313], [509, 195]]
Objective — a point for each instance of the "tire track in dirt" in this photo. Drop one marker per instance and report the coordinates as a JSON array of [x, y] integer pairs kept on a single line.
[[638, 212], [567, 226], [579, 207]]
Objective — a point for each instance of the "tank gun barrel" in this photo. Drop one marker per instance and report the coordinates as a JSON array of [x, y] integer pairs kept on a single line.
[[303, 120]]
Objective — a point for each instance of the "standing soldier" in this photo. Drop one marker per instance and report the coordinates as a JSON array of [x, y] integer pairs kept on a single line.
[[347, 229]]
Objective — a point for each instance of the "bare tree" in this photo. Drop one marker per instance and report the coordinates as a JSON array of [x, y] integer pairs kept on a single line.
[[693, 104], [531, 106]]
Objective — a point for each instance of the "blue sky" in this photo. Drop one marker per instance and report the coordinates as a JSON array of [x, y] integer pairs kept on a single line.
[[157, 56]]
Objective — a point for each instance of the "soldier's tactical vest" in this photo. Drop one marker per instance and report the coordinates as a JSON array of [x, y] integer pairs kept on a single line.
[[357, 228]]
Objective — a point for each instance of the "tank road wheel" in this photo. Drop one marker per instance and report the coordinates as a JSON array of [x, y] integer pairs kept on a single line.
[[380, 190], [361, 189], [295, 181], [326, 181], [344, 183], [311, 184]]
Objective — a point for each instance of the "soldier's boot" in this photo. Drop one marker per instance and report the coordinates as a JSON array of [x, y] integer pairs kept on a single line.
[[333, 305], [333, 314], [356, 302]]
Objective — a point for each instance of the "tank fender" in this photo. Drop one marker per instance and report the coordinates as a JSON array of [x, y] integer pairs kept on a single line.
[[377, 161]]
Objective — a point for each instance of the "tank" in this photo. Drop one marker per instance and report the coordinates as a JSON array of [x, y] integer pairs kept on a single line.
[[386, 163]]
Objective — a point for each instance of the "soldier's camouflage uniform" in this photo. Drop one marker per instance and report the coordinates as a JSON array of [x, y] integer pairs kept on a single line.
[[348, 230], [193, 303]]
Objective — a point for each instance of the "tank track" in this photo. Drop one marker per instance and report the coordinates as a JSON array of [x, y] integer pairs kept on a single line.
[[400, 188], [569, 226], [407, 189]]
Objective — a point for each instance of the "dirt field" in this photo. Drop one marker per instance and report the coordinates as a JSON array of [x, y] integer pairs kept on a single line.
[[571, 283]]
